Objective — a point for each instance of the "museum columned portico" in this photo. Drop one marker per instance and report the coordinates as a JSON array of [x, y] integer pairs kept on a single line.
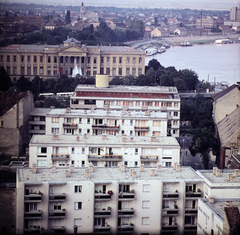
[[71, 58]]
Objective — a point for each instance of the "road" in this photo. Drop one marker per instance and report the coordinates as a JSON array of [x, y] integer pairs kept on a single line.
[[186, 159]]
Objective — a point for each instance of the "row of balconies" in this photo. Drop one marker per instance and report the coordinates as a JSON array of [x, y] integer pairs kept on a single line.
[[37, 214], [37, 197], [174, 195]]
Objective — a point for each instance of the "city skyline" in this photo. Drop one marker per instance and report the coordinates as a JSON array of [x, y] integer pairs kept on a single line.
[[194, 4]]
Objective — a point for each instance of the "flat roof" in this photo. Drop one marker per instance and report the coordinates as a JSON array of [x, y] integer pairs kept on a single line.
[[96, 140], [134, 89], [39, 111], [101, 174], [219, 204], [105, 114], [223, 178]]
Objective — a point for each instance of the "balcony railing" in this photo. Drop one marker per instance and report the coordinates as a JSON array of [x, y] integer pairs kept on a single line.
[[126, 228], [141, 128], [170, 195], [70, 125], [60, 157], [33, 197], [191, 211], [58, 229], [170, 212], [104, 157], [169, 228], [57, 214], [33, 229], [102, 196], [102, 229], [193, 194], [102, 213], [126, 196], [57, 197], [190, 227], [126, 212], [106, 127], [33, 215], [149, 158]]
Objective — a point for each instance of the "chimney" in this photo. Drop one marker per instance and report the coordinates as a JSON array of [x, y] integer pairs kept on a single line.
[[142, 167], [229, 203], [152, 172], [159, 167], [174, 165], [134, 173], [104, 137], [54, 168], [77, 138], [232, 178], [153, 139], [90, 167], [67, 173], [34, 168], [229, 176], [178, 167], [218, 172], [87, 174], [236, 172], [72, 168], [211, 199], [214, 170], [55, 137]]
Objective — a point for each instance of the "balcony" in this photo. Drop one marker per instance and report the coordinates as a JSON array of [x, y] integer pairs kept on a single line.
[[149, 158], [103, 213], [83, 106], [170, 195], [192, 194], [190, 227], [106, 127], [70, 125], [141, 128], [57, 197], [33, 229], [125, 196], [58, 229], [57, 214], [191, 211], [169, 228], [33, 215], [169, 212], [102, 229], [60, 157], [33, 197], [126, 228], [102, 197], [105, 157], [126, 212]]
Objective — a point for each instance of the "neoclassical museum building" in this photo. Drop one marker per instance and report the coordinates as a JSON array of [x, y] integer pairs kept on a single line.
[[71, 58]]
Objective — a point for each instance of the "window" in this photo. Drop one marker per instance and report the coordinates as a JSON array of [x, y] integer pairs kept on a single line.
[[14, 58], [1, 58], [114, 71], [136, 151], [128, 71], [102, 59], [14, 69], [114, 59], [41, 58], [42, 150], [139, 71], [123, 122], [22, 58], [108, 71], [140, 60], [28, 70], [78, 188], [95, 60], [157, 133], [119, 103], [28, 58], [146, 188], [78, 222], [57, 207], [41, 70], [22, 70], [145, 204], [80, 131], [77, 205], [175, 114], [128, 60], [175, 104], [108, 59], [145, 220], [8, 58], [42, 163], [80, 120], [69, 120], [169, 104], [156, 104], [134, 71], [131, 133], [34, 70], [34, 59], [137, 103], [175, 123], [55, 59], [69, 131], [167, 152], [49, 59], [73, 150], [134, 60], [120, 60], [119, 71], [32, 207], [156, 123], [55, 130], [83, 150], [88, 121], [131, 122], [55, 120]]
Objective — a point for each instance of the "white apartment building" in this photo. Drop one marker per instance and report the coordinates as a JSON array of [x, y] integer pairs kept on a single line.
[[108, 200], [103, 151], [97, 122], [130, 98]]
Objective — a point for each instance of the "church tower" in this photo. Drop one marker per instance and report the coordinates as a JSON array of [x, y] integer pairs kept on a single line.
[[82, 11]]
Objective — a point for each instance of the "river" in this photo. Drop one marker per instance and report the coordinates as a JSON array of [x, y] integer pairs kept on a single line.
[[210, 61]]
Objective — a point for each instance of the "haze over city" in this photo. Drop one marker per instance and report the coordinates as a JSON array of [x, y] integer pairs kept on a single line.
[[193, 4]]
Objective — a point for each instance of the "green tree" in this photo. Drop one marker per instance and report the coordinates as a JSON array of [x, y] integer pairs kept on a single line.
[[24, 84], [190, 78], [5, 81]]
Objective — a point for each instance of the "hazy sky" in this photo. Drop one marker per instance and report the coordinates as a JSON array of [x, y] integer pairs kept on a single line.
[[196, 4]]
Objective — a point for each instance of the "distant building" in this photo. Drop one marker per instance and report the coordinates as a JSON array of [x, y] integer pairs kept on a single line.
[[49, 61], [15, 108], [209, 23], [89, 15], [181, 31], [235, 14], [159, 32]]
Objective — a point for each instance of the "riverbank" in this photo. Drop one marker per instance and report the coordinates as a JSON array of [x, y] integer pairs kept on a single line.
[[177, 40]]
